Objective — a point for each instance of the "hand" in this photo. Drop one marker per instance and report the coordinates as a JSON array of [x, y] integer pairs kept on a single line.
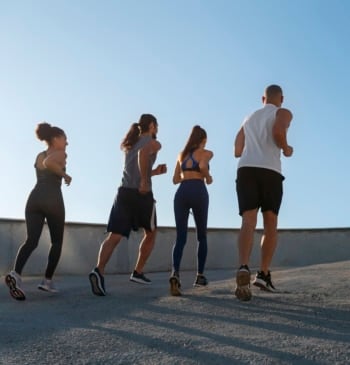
[[209, 180], [161, 169], [67, 179], [288, 151]]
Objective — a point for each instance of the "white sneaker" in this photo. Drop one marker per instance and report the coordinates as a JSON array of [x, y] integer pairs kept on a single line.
[[48, 285], [14, 282]]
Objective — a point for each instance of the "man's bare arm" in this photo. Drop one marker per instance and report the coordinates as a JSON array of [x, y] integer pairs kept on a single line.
[[239, 143], [279, 131], [151, 148]]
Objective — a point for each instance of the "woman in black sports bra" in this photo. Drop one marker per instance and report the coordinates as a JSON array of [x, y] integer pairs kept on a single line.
[[45, 202], [192, 172]]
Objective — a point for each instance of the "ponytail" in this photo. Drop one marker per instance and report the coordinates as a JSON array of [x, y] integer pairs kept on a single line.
[[131, 137], [197, 135]]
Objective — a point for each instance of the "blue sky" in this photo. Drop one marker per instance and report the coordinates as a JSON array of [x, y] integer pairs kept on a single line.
[[92, 67]]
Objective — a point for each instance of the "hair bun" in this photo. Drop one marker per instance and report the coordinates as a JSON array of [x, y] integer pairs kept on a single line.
[[43, 131]]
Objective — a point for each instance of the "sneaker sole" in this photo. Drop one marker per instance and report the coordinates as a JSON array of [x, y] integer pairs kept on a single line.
[[243, 291], [140, 281], [262, 285], [200, 285], [95, 285], [47, 290], [15, 292], [174, 287]]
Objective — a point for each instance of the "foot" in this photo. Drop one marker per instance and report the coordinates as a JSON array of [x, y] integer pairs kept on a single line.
[[97, 282], [139, 278], [264, 281], [48, 285], [14, 282], [175, 285], [243, 291], [201, 281]]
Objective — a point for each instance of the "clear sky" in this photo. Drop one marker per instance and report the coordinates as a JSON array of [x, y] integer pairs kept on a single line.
[[92, 67]]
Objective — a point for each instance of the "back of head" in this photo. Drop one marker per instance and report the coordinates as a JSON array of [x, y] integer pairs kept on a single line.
[[45, 132], [198, 134], [273, 94], [145, 121], [136, 130]]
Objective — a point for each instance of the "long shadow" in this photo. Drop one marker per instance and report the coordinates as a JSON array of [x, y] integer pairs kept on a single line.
[[202, 356], [336, 321], [82, 310]]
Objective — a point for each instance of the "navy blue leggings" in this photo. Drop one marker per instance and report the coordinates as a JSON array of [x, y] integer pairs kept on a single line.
[[191, 194]]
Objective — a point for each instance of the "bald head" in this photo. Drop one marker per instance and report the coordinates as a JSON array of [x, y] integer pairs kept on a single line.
[[273, 95]]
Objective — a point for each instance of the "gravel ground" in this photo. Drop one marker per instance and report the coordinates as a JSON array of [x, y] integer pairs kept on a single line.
[[308, 322]]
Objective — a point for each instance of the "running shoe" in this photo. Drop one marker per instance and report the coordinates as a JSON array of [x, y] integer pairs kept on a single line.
[[139, 278], [175, 285], [201, 281], [97, 282], [243, 291], [48, 285], [14, 282], [264, 282]]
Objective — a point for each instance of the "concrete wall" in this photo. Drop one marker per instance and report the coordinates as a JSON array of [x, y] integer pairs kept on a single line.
[[297, 247]]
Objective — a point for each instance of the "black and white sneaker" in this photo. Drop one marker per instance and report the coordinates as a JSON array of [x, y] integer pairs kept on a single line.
[[242, 290], [14, 282], [97, 282], [264, 281], [139, 278], [201, 281]]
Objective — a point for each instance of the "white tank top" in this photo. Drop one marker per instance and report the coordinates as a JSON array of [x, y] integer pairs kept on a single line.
[[260, 149]]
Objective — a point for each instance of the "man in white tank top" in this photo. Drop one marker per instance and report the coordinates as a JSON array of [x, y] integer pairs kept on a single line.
[[258, 144]]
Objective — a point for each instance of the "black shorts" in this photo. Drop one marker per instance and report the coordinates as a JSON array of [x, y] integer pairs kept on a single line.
[[132, 210], [259, 188]]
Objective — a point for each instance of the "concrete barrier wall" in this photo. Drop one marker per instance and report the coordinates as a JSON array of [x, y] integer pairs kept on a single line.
[[297, 247]]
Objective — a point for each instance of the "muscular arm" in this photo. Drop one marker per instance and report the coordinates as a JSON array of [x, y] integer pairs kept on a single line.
[[143, 158], [280, 128], [239, 143]]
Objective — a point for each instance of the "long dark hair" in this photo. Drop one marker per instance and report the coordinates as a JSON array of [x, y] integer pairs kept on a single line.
[[45, 132], [197, 136], [136, 130]]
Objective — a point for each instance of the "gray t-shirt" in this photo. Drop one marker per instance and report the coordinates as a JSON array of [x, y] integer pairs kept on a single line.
[[131, 173]]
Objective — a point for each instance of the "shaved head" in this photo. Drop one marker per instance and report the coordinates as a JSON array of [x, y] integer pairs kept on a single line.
[[274, 95], [273, 91]]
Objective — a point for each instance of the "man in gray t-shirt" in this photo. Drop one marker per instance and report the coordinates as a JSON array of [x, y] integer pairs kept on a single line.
[[133, 206]]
